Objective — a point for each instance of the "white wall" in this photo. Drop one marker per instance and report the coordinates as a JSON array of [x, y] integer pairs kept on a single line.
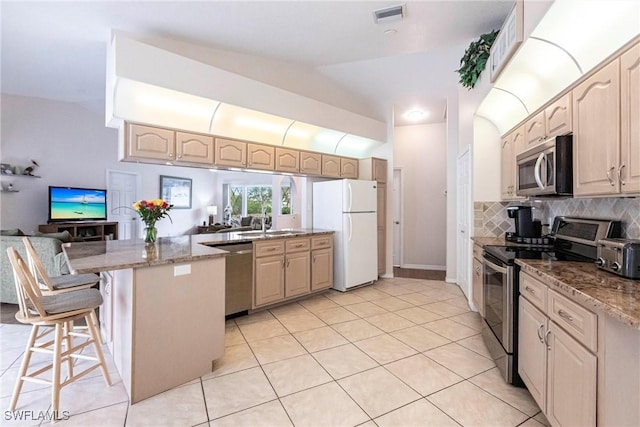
[[421, 152], [487, 162], [74, 148]]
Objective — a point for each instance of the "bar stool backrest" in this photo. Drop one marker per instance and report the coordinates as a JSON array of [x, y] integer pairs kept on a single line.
[[36, 266], [27, 288]]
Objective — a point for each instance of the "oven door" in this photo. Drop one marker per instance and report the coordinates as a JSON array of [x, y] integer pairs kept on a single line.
[[498, 307]]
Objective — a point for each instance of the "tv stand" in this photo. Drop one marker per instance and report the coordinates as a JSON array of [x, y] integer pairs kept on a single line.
[[87, 230]]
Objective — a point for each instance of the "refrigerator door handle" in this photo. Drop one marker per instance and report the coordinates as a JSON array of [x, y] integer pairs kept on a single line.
[[350, 192], [350, 231]]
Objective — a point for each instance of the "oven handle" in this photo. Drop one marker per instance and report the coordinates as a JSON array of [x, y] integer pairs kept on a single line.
[[538, 169], [497, 268]]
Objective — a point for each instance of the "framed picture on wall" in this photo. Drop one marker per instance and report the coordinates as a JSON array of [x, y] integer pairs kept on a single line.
[[176, 191]]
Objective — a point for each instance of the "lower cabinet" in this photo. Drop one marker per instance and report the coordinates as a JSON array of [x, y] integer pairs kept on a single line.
[[559, 371], [291, 267]]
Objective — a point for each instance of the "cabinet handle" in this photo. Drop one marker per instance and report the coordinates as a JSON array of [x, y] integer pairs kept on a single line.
[[540, 329], [620, 174], [314, 259], [566, 316], [528, 289], [477, 269], [288, 260], [179, 156], [270, 249], [299, 245], [609, 175], [546, 339], [171, 155]]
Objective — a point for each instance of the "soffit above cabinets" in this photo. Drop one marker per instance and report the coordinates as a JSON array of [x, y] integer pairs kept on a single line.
[[572, 38], [151, 86]]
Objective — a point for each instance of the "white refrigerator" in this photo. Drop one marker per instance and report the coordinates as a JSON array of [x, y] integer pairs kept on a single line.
[[348, 207]]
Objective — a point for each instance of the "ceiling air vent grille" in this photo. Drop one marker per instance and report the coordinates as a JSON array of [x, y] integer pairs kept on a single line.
[[394, 13]]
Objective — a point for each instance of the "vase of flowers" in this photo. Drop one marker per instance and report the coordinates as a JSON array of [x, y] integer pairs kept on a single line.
[[152, 211]]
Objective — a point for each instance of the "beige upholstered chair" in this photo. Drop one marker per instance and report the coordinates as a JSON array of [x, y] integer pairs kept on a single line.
[[55, 313], [52, 284]]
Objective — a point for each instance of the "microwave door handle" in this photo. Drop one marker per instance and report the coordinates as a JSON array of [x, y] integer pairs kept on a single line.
[[536, 171]]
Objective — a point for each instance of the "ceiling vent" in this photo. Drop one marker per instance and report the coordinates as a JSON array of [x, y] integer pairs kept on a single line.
[[389, 14]]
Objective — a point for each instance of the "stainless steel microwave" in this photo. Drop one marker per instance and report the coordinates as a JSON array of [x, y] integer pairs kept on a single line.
[[546, 169]]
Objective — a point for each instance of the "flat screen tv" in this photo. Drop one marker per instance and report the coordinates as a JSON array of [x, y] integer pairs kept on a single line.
[[77, 204]]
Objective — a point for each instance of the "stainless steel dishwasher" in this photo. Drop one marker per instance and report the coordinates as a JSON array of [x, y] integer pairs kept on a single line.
[[238, 277]]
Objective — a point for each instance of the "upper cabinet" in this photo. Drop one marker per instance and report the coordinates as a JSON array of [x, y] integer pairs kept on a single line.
[[260, 156], [348, 168], [629, 169], [554, 120], [230, 153], [287, 160], [194, 148], [596, 136], [310, 163], [166, 145], [511, 145], [330, 166]]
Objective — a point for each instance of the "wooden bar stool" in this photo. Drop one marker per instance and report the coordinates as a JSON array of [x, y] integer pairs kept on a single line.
[[51, 284], [55, 314]]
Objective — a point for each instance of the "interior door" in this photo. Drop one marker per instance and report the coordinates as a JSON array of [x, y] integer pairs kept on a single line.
[[122, 191], [396, 217]]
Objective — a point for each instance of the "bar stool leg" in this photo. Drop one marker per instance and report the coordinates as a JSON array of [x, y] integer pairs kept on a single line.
[[55, 386], [26, 359], [68, 342], [97, 345]]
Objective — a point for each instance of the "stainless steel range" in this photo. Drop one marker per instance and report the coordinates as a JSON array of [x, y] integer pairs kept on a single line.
[[574, 239]]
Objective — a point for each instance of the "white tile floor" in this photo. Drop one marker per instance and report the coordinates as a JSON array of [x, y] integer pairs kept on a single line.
[[400, 352]]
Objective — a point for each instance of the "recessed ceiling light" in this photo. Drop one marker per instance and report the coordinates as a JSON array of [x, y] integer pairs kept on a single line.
[[415, 115], [390, 31]]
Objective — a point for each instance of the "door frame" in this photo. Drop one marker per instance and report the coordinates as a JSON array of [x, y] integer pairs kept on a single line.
[[400, 202]]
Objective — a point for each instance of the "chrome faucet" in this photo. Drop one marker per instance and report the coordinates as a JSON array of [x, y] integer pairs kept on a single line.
[[263, 219]]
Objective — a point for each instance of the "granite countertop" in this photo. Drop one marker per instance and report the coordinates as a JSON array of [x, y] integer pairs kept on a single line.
[[93, 257], [588, 285]]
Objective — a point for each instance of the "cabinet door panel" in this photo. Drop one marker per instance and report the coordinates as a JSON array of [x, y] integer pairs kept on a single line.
[[151, 143], [629, 168], [260, 157], [194, 148], [596, 133], [230, 153], [321, 269], [310, 163], [269, 280], [379, 170], [349, 168], [572, 381], [287, 160], [558, 117], [535, 131], [532, 353], [330, 166], [297, 276]]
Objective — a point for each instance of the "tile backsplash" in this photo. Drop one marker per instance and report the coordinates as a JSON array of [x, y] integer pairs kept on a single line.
[[490, 218]]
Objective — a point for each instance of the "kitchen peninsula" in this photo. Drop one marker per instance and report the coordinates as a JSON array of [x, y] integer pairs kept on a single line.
[[163, 315], [163, 311]]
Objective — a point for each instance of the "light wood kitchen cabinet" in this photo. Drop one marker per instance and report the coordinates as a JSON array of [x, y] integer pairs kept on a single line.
[[229, 152], [260, 157], [571, 399], [146, 142], [532, 351], [269, 280], [165, 145], [381, 216], [508, 153], [321, 269], [477, 294], [348, 168], [310, 163], [629, 169], [291, 267], [379, 170], [596, 133], [297, 279], [331, 166], [554, 120], [554, 357], [194, 148], [287, 160]]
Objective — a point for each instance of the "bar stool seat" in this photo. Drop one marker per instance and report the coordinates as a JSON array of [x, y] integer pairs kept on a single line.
[[55, 313]]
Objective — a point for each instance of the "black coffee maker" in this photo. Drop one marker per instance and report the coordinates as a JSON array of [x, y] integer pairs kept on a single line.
[[526, 227]]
